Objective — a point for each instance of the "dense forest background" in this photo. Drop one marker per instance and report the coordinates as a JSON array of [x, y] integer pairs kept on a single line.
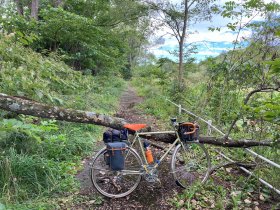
[[82, 54]]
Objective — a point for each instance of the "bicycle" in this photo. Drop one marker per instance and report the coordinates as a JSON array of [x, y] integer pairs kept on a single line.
[[190, 163]]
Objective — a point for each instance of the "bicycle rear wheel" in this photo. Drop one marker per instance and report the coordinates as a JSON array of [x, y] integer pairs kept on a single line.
[[190, 163], [116, 184]]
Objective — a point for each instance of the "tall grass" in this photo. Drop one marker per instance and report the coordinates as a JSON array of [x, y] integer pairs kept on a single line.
[[209, 103], [25, 176], [39, 158]]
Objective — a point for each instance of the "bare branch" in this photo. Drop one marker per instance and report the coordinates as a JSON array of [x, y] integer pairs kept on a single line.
[[188, 7], [230, 164], [267, 89]]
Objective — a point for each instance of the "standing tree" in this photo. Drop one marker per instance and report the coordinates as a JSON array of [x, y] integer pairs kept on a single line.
[[33, 5], [179, 17], [19, 6], [245, 68], [58, 3], [34, 9]]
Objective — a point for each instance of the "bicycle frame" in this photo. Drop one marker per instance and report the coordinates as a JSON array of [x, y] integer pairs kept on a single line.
[[137, 137], [137, 167]]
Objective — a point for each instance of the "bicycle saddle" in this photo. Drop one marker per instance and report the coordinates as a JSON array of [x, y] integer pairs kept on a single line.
[[135, 127]]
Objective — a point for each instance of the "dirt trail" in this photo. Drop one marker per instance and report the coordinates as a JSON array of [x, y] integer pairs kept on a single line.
[[147, 195]]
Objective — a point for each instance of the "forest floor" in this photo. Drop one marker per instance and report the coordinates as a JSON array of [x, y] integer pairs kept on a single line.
[[147, 195]]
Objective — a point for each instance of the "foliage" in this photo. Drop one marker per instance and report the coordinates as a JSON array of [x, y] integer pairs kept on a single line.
[[197, 196], [82, 43], [28, 74], [217, 91], [178, 16], [224, 191], [39, 158], [83, 33], [27, 176]]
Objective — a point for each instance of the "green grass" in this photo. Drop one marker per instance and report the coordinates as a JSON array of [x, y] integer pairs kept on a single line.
[[227, 191], [39, 158], [25, 176], [44, 163], [208, 103]]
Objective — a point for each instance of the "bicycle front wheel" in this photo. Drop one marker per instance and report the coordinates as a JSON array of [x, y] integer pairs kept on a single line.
[[190, 163], [116, 184]]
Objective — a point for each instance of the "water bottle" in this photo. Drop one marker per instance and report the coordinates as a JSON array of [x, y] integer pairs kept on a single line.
[[148, 153]]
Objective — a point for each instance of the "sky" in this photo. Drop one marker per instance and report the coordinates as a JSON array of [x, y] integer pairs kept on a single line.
[[208, 43]]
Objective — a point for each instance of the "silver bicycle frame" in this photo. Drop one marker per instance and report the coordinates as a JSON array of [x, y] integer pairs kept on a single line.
[[137, 137]]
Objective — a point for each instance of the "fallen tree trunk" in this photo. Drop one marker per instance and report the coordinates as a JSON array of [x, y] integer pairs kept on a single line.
[[224, 142], [33, 108], [29, 107]]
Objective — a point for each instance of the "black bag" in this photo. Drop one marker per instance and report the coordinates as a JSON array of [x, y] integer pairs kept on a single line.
[[184, 129], [107, 158], [107, 136], [116, 155], [115, 135], [124, 134]]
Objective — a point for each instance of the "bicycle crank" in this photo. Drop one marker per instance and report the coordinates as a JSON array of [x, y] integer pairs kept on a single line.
[[151, 175]]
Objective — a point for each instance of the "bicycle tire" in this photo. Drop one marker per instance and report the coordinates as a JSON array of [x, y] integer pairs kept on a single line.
[[116, 184], [190, 163]]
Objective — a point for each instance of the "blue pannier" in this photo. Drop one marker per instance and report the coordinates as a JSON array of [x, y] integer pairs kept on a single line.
[[116, 155]]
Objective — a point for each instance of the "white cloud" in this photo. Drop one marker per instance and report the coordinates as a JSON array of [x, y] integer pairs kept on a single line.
[[209, 43], [220, 48], [159, 52], [208, 53]]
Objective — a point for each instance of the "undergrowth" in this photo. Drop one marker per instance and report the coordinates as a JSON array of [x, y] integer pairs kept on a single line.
[[236, 192], [40, 158], [208, 103]]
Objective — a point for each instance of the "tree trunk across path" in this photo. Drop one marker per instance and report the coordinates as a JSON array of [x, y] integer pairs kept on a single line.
[[33, 108]]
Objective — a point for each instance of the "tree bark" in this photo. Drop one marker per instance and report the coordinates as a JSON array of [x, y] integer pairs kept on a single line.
[[180, 67], [34, 9], [19, 7], [28, 107], [181, 45], [58, 3], [33, 108], [223, 142]]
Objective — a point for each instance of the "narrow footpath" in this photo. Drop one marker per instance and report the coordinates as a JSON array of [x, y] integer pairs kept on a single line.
[[156, 195], [147, 195]]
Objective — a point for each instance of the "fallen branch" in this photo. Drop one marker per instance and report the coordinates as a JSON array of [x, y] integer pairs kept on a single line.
[[246, 100], [235, 143], [156, 145], [33, 108], [169, 138], [230, 164]]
